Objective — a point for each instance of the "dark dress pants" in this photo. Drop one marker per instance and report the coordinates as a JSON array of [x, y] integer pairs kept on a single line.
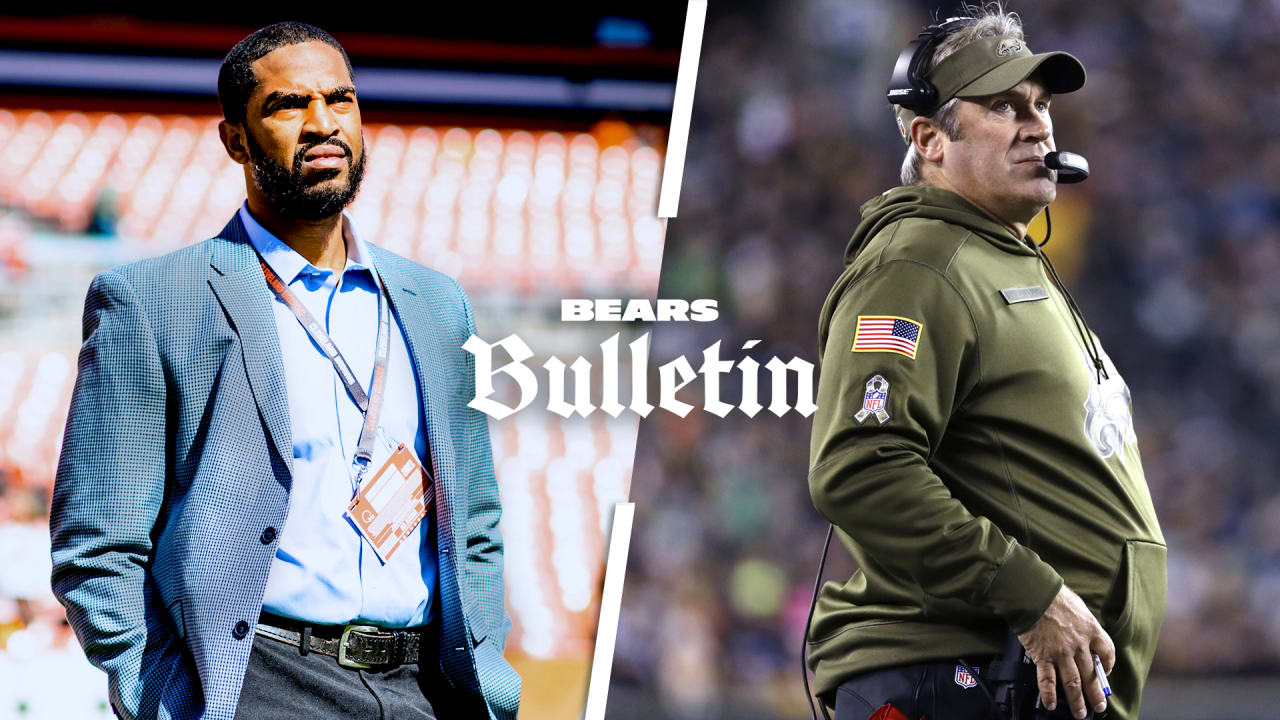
[[280, 683]]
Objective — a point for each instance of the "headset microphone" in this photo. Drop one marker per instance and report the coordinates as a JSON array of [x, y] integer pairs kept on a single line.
[[1072, 168]]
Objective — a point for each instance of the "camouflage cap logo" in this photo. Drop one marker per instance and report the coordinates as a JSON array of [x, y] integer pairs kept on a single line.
[[1008, 46]]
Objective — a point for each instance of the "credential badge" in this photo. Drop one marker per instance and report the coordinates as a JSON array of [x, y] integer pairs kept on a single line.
[[964, 679], [873, 402]]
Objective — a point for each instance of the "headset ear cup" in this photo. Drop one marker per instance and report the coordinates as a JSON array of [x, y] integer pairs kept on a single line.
[[903, 86], [925, 93], [908, 87], [928, 98]]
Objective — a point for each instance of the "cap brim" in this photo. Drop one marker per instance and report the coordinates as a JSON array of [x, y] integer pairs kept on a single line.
[[1059, 72]]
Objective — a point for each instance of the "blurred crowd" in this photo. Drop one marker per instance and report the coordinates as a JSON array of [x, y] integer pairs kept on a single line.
[[1172, 249]]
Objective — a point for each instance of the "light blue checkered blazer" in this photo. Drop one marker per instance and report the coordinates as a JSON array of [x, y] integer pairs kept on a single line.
[[178, 454]]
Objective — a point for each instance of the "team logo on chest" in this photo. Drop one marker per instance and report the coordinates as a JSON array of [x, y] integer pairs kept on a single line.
[[1108, 422], [873, 401]]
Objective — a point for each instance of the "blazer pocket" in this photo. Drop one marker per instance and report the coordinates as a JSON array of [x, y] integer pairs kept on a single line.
[[175, 616], [463, 387], [479, 631], [476, 624]]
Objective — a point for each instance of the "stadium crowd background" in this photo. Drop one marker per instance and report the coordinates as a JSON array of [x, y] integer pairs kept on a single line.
[[524, 162], [1172, 249]]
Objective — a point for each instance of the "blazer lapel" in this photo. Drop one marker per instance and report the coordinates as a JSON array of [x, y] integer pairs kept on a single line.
[[242, 291], [417, 322]]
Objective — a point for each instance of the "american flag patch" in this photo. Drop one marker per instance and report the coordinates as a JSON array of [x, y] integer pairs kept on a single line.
[[885, 333]]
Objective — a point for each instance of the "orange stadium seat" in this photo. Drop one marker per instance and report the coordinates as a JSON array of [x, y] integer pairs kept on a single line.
[[514, 208]]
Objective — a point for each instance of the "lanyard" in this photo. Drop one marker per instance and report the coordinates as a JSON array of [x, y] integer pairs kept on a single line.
[[370, 404]]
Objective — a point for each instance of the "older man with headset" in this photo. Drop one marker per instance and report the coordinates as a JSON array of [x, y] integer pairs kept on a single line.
[[974, 447]]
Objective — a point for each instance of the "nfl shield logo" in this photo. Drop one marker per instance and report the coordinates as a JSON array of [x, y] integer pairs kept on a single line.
[[873, 401], [964, 679]]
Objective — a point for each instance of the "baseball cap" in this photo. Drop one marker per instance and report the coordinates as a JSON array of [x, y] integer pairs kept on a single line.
[[992, 65]]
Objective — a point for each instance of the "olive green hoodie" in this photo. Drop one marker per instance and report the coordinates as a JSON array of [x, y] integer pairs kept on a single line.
[[999, 463]]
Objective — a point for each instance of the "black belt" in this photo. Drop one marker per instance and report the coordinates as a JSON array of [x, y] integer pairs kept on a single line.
[[354, 646]]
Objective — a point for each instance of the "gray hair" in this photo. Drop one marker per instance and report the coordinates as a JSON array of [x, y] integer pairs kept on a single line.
[[990, 20]]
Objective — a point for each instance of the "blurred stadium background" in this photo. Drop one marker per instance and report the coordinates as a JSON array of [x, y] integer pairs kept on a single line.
[[518, 150], [1172, 248]]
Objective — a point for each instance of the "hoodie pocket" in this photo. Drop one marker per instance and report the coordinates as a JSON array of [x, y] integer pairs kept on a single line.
[[1138, 597]]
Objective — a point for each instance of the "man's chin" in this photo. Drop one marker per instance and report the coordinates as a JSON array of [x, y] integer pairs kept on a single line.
[[1029, 201], [1041, 191]]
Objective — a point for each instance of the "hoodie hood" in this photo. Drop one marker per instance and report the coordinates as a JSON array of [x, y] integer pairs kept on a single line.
[[918, 201]]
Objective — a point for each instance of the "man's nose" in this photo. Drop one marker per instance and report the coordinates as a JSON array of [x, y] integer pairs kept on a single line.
[[1038, 128], [319, 120]]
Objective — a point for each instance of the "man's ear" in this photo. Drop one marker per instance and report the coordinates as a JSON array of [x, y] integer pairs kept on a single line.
[[233, 139], [928, 139]]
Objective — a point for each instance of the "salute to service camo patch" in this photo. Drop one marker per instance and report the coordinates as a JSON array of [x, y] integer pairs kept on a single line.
[[886, 333]]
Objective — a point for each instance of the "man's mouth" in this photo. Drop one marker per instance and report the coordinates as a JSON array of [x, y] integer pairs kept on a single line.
[[325, 157]]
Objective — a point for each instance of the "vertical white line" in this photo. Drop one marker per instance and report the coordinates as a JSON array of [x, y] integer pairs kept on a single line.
[[615, 571], [686, 77]]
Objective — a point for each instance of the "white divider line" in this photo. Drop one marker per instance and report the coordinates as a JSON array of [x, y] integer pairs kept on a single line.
[[686, 77], [615, 570]]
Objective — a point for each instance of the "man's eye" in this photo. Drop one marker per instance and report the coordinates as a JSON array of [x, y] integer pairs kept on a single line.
[[1001, 105]]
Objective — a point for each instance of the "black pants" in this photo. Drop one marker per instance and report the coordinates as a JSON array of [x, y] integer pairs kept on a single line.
[[933, 691], [282, 684]]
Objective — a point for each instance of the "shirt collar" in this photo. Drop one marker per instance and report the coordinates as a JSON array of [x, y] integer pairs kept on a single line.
[[287, 262]]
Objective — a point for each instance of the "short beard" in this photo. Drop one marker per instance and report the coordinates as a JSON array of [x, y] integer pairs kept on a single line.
[[294, 198]]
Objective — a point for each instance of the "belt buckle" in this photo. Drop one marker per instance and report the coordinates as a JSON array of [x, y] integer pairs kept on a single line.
[[345, 661]]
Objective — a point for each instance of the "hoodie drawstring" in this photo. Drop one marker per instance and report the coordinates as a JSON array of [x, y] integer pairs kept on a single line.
[[1077, 317]]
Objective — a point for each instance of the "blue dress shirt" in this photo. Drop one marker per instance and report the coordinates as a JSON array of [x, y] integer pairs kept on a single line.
[[324, 571]]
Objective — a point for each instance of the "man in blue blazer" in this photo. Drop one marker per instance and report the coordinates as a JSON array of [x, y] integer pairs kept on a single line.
[[233, 398]]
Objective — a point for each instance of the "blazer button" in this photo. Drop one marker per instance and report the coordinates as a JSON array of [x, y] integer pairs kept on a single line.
[[268, 536], [241, 629]]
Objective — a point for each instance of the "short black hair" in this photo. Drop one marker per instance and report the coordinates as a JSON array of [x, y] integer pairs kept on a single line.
[[236, 80]]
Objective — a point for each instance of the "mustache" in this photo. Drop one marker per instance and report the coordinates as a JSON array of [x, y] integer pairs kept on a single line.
[[300, 155]]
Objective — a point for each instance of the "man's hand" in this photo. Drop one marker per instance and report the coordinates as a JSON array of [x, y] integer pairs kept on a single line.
[[1061, 643]]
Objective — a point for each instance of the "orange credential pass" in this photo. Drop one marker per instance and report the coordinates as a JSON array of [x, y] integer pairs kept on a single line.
[[391, 504]]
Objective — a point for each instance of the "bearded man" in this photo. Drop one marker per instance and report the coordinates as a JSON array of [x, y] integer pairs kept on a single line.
[[272, 500]]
